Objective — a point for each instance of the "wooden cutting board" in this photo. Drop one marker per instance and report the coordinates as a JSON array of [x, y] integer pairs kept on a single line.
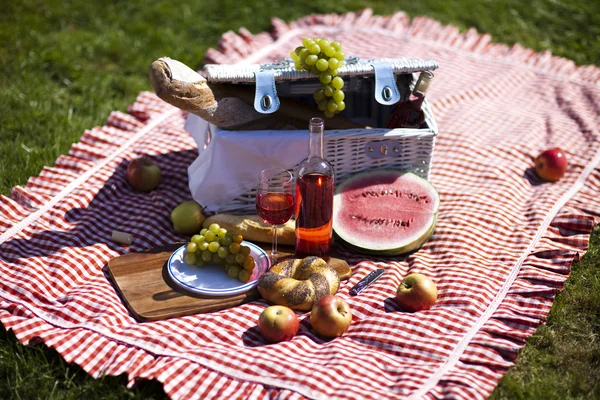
[[142, 281]]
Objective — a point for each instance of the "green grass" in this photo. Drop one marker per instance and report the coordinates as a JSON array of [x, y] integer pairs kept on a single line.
[[67, 64]]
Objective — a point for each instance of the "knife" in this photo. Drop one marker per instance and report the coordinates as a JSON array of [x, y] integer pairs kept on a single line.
[[366, 281]]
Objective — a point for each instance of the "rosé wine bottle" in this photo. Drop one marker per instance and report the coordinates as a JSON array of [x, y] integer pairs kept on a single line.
[[314, 197]]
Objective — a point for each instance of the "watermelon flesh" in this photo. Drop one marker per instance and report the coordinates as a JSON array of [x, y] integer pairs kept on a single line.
[[385, 211]]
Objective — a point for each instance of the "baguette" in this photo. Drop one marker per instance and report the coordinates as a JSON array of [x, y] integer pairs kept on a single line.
[[252, 228]]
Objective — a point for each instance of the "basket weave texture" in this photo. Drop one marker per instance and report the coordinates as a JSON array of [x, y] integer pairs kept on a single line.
[[351, 150]]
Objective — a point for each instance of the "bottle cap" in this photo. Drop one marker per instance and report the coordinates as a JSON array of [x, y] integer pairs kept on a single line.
[[423, 82]]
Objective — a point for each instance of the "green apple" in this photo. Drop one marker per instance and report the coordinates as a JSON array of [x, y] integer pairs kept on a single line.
[[187, 218]]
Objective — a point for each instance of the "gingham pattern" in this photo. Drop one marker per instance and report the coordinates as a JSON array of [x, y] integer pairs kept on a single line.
[[502, 249]]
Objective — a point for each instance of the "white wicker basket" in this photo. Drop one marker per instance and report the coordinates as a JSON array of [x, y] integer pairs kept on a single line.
[[354, 150]]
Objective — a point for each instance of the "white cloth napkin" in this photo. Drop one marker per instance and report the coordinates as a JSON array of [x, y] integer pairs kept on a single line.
[[229, 165]]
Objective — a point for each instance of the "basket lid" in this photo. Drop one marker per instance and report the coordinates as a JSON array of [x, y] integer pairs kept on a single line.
[[284, 69], [265, 76]]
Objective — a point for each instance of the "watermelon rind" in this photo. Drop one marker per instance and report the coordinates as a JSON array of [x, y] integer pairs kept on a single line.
[[382, 247]]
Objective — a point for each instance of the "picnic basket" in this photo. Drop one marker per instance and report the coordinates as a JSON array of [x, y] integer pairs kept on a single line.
[[372, 87]]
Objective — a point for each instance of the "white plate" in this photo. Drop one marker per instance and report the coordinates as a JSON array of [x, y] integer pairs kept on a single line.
[[211, 279]]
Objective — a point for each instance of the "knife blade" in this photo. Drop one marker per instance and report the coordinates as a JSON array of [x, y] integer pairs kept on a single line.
[[366, 281]]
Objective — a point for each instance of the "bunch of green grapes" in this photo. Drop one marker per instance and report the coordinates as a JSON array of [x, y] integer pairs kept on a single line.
[[323, 59], [217, 245]]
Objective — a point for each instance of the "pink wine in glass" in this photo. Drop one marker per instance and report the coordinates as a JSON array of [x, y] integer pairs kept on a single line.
[[275, 208], [314, 198]]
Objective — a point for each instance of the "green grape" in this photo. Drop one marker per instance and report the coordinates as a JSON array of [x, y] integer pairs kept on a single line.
[[249, 264], [341, 106], [322, 65], [190, 258], [319, 95], [294, 56], [203, 231], [234, 248], [337, 82], [314, 49], [332, 72], [323, 42], [245, 250], [311, 60], [209, 236], [223, 252], [340, 63], [298, 65], [297, 50], [322, 105], [214, 228], [333, 63], [213, 247], [216, 259], [329, 51], [206, 256], [238, 238], [203, 246], [239, 258], [197, 239], [328, 91], [338, 95], [325, 78], [192, 247], [307, 42], [226, 241], [222, 232], [303, 54], [244, 276], [328, 114], [230, 259], [199, 262], [339, 55], [332, 106], [336, 45], [234, 271]]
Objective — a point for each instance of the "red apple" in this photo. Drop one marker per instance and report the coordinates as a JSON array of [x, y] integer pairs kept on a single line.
[[330, 316], [551, 165], [143, 174], [278, 323], [416, 292]]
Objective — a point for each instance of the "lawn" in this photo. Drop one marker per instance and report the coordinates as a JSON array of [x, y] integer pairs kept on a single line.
[[67, 64]]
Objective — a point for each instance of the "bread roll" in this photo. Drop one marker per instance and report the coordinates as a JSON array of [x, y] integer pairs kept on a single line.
[[252, 228], [298, 283]]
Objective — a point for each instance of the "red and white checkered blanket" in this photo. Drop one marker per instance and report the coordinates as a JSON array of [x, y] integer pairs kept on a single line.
[[502, 248]]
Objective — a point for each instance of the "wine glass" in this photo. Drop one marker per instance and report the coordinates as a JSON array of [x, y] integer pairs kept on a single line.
[[275, 200]]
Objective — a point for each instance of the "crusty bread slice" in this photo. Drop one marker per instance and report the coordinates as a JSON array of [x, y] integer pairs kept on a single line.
[[252, 228]]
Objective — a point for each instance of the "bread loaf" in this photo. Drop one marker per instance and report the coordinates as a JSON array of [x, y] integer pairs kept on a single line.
[[252, 228], [229, 106]]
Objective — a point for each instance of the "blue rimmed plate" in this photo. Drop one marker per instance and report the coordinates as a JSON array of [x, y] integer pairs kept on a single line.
[[211, 279]]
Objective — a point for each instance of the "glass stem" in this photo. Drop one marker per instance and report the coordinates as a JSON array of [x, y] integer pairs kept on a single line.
[[274, 242]]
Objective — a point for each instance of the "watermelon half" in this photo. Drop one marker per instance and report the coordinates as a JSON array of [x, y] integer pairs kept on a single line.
[[385, 211]]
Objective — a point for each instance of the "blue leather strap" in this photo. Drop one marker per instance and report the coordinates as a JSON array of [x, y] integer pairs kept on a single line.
[[386, 91], [265, 98]]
